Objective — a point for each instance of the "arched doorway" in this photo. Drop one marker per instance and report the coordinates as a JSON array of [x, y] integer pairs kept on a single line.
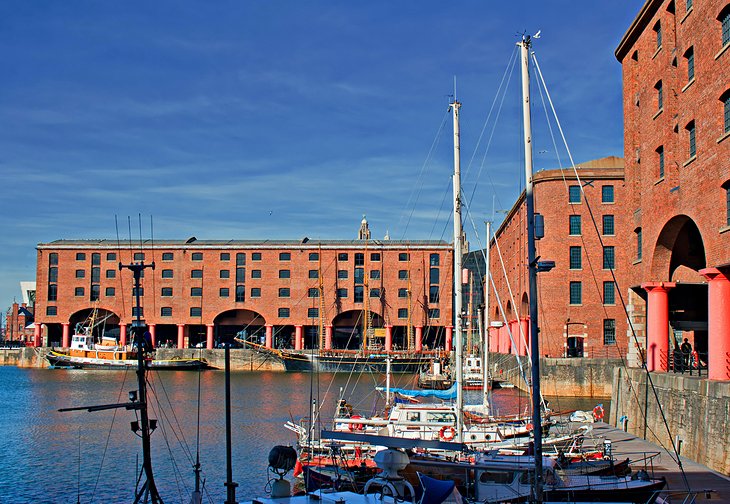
[[245, 325], [99, 321], [347, 330], [678, 256]]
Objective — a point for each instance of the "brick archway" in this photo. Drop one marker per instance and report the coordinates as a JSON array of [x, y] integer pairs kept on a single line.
[[241, 323], [679, 253], [105, 321]]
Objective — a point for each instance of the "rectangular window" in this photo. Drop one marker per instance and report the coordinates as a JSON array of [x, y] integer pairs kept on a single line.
[[139, 256], [196, 273], [402, 293], [240, 293], [95, 275], [240, 275], [434, 275], [574, 194], [608, 227], [80, 256], [341, 293], [688, 5], [692, 140], [609, 293], [284, 292], [197, 256], [313, 313], [609, 259], [285, 256], [375, 293], [727, 205], [167, 273], [726, 107], [313, 293], [167, 256], [94, 293], [434, 259], [609, 332], [224, 274], [138, 311], [241, 259], [314, 256], [659, 95], [283, 312], [196, 291], [111, 256], [224, 292], [79, 291], [166, 311], [196, 311], [53, 274], [374, 274], [403, 256], [690, 55], [284, 274], [639, 244], [53, 259], [433, 294], [358, 294], [95, 259], [166, 292], [80, 273], [225, 256], [111, 273], [51, 311], [607, 194], [658, 32], [402, 274], [660, 159], [359, 276], [402, 313], [255, 273], [375, 256], [342, 274], [256, 292], [53, 292], [576, 293], [134, 291], [725, 27], [313, 273], [342, 256], [359, 259], [255, 256], [110, 292], [574, 225], [575, 258], [434, 313]]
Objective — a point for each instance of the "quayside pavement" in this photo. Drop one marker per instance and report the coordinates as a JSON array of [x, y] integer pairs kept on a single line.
[[699, 477]]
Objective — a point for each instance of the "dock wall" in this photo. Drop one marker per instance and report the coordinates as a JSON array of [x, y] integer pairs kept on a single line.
[[696, 410], [576, 377], [241, 359]]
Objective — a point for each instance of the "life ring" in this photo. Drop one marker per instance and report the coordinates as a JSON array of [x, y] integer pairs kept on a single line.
[[355, 426], [598, 412], [528, 426], [447, 433], [695, 359]]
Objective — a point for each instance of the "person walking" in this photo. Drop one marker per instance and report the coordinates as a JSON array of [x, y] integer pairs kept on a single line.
[[686, 349]]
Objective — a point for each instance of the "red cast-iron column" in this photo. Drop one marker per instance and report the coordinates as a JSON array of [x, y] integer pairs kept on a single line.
[[181, 335], [328, 337], [718, 323], [298, 338], [419, 338], [657, 325], [153, 335], [269, 336], [388, 338], [449, 338], [66, 338], [209, 336], [123, 334]]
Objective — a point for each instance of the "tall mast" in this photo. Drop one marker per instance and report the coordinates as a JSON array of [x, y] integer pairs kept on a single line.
[[458, 321], [320, 289], [485, 341], [532, 266]]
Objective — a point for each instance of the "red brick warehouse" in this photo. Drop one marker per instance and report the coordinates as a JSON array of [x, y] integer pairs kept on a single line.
[[675, 58], [268, 291], [579, 309]]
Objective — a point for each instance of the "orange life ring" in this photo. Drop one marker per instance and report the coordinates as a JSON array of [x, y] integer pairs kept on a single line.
[[695, 359], [528, 426], [355, 426], [447, 433], [598, 412]]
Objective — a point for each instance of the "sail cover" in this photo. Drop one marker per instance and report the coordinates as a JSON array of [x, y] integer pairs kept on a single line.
[[445, 395]]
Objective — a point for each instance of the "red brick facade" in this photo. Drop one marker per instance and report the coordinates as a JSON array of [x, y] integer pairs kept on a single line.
[[278, 284], [566, 325], [676, 79]]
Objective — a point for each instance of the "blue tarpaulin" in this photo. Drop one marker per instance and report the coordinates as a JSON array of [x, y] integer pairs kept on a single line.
[[447, 394]]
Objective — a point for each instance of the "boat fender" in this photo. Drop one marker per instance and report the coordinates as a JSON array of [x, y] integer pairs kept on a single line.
[[598, 412], [355, 426], [447, 433], [282, 459]]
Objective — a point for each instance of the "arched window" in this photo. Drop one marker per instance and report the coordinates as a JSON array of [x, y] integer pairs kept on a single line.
[[726, 189], [724, 18], [725, 100]]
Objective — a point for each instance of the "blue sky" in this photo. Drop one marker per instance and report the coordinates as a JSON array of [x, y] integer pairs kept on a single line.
[[255, 120]]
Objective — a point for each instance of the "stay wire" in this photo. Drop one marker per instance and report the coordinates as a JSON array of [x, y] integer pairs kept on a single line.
[[676, 457]]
